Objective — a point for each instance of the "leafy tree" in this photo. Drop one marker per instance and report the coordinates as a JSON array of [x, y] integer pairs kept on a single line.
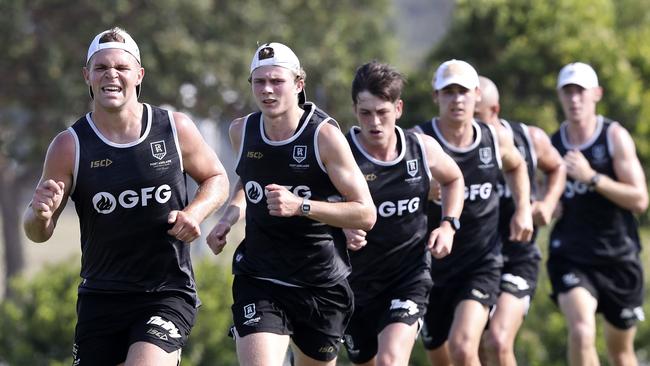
[[522, 45]]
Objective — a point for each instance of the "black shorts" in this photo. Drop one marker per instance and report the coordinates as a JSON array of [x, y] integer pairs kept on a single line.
[[519, 278], [107, 324], [481, 285], [618, 287], [404, 303], [315, 318]]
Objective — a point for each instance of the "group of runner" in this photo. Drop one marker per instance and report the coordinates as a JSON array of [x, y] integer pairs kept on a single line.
[[368, 238]]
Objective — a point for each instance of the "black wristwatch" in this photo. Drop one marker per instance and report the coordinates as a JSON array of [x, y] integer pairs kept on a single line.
[[594, 181], [455, 223], [305, 207]]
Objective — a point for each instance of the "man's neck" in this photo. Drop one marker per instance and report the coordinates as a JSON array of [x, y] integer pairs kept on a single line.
[[283, 126], [120, 126], [580, 131], [459, 134], [387, 151]]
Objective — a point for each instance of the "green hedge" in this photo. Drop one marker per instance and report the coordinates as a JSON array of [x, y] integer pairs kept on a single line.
[[37, 323]]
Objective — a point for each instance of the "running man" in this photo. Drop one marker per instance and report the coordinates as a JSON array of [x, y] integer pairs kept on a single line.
[[298, 183], [466, 282], [124, 165], [520, 259], [391, 276], [594, 263]]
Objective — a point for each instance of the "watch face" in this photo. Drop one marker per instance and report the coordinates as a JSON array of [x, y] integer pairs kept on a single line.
[[454, 221]]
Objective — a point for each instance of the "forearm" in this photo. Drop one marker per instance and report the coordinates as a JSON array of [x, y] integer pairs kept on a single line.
[[453, 198], [555, 185], [236, 209], [517, 181], [624, 195], [347, 215], [210, 195], [37, 230]]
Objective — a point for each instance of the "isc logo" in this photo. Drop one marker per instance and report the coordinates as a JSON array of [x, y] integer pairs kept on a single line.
[[101, 163], [105, 203]]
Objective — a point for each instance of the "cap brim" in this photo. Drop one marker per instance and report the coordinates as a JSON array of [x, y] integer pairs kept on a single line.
[[460, 82]]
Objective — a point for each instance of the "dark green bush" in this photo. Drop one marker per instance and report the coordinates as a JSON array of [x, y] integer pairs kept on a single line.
[[37, 322]]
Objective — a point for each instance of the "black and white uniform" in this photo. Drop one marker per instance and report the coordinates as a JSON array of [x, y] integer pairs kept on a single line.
[[390, 276], [595, 243], [520, 260], [472, 270], [288, 265], [138, 283]]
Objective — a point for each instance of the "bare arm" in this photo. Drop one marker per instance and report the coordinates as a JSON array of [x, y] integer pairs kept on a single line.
[[203, 165], [446, 172], [516, 176], [52, 191], [236, 209], [630, 191], [358, 210], [550, 162]]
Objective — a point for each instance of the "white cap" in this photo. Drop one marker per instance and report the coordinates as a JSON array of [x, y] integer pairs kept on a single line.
[[275, 54], [577, 73], [455, 72], [128, 45]]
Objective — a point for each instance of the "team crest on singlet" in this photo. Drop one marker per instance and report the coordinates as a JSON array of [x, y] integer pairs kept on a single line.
[[412, 167], [599, 153], [299, 153], [158, 149], [249, 311], [485, 154]]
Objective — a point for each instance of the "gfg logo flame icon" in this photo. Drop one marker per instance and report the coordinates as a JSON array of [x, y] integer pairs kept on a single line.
[[104, 202], [254, 191]]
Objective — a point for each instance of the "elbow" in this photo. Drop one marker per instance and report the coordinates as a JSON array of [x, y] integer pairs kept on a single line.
[[35, 236], [640, 206], [369, 219]]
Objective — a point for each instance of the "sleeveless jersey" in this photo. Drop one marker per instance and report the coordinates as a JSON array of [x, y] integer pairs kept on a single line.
[[592, 229], [295, 251], [516, 251], [477, 238], [396, 249], [123, 194]]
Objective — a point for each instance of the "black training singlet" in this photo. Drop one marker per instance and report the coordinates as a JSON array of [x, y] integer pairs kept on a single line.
[[592, 229], [478, 238], [396, 245], [123, 194], [295, 250], [516, 251]]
